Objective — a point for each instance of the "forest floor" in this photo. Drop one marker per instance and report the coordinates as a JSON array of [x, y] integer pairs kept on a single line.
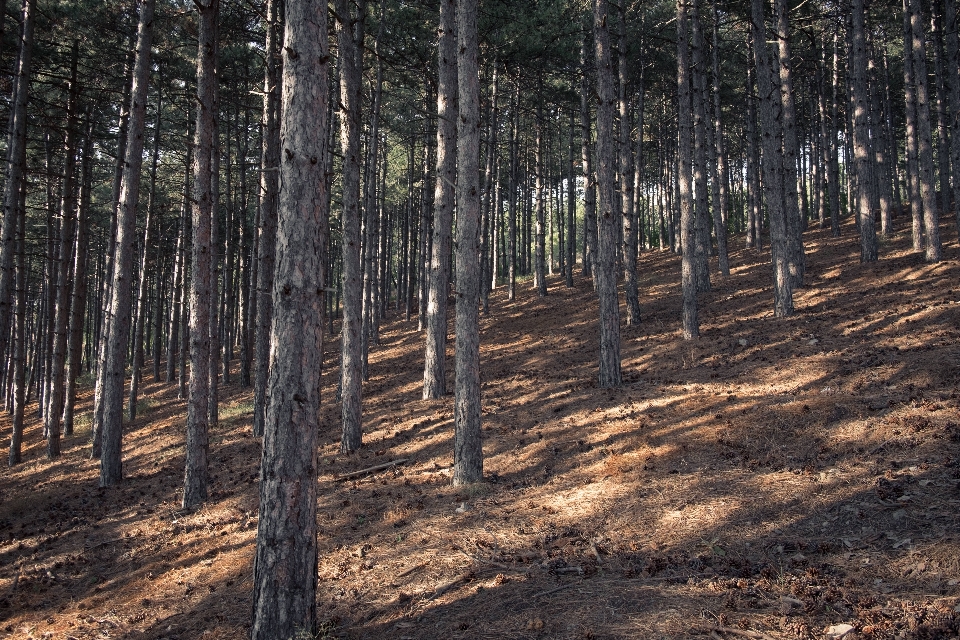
[[777, 478]]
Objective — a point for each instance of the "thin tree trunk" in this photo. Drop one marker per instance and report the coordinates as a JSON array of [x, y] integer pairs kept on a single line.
[[195, 478], [861, 132], [467, 445], [80, 282], [350, 47], [142, 288], [16, 163], [589, 182], [721, 177], [794, 240], [928, 187], [434, 371], [605, 275], [690, 320], [68, 212], [952, 65], [111, 469], [771, 105], [540, 248], [912, 142], [19, 346], [269, 185], [627, 193]]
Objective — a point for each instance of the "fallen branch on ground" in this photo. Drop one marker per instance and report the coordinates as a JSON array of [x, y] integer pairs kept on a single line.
[[373, 469]]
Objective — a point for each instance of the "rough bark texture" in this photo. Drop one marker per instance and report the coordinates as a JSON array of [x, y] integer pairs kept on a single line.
[[862, 151], [794, 241], [19, 346], [111, 470], [911, 143], [285, 565], [721, 177], [68, 212], [589, 183], [928, 187], [349, 43], [952, 65], [627, 193], [269, 185], [434, 370], [605, 275], [467, 445], [16, 167], [772, 165], [80, 281], [201, 283], [690, 320], [698, 98], [138, 351], [540, 219]]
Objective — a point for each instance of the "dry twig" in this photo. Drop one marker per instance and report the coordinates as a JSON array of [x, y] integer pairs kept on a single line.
[[375, 468]]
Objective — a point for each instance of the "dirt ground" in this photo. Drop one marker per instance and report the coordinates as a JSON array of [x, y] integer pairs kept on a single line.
[[777, 478]]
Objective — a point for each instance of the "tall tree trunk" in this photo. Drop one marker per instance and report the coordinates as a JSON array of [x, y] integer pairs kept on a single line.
[[864, 166], [19, 346], [912, 141], [142, 288], [285, 565], [198, 407], [952, 66], [68, 212], [688, 277], [627, 193], [111, 470], [721, 177], [16, 170], [771, 113], [269, 185], [179, 276], [467, 445], [514, 195], [571, 207], [350, 47], [605, 275], [589, 181], [928, 187], [794, 240], [80, 281], [434, 371], [833, 170], [698, 99], [540, 245]]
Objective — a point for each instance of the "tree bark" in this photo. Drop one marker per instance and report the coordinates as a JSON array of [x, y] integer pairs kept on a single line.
[[952, 65], [606, 225], [434, 371], [68, 212], [794, 221], [627, 193], [690, 325], [912, 142], [269, 185], [771, 105], [928, 187], [80, 282], [16, 169], [142, 288], [862, 151], [350, 46], [111, 468], [467, 445], [198, 406], [285, 565]]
